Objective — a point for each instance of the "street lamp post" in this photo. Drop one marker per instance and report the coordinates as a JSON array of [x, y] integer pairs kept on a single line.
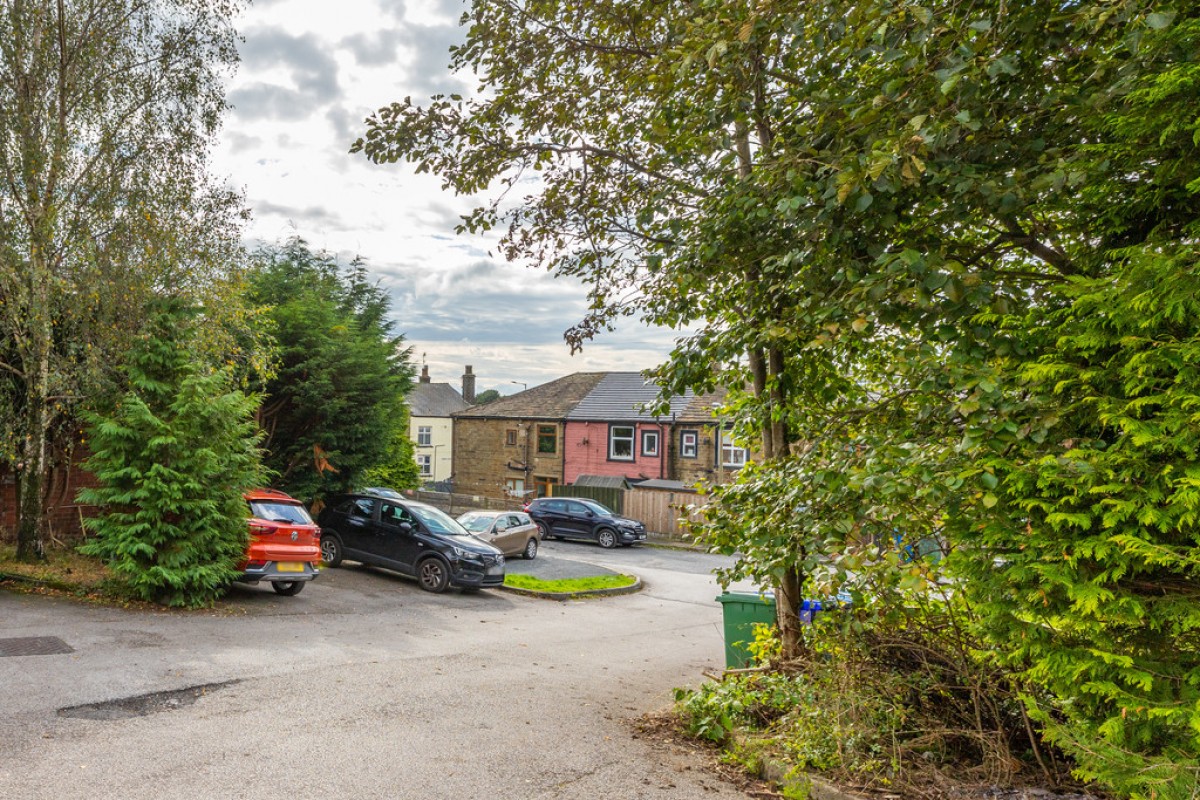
[[522, 384]]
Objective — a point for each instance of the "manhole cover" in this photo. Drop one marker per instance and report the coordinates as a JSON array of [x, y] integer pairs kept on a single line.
[[34, 646], [142, 704]]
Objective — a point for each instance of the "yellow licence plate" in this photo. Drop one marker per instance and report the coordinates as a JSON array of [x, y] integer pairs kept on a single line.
[[289, 566]]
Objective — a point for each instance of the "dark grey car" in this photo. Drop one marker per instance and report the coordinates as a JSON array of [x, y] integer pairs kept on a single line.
[[415, 539], [579, 518]]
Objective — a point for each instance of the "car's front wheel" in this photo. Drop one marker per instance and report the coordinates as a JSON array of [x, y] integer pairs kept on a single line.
[[331, 550], [607, 538], [531, 548], [287, 588], [433, 576]]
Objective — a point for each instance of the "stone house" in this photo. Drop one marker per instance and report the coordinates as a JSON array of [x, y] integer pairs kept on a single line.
[[589, 424], [513, 447]]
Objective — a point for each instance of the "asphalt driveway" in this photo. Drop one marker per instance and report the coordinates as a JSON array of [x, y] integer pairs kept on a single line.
[[363, 686]]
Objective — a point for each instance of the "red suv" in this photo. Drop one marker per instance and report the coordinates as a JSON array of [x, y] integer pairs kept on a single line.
[[284, 542]]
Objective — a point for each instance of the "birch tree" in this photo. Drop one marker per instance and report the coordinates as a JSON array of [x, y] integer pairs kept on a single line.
[[109, 107]]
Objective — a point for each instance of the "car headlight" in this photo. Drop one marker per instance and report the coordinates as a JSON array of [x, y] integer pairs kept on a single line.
[[467, 555]]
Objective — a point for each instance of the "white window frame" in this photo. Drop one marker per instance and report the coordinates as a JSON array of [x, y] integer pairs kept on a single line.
[[689, 444], [613, 439], [425, 464], [732, 456], [424, 435], [648, 436]]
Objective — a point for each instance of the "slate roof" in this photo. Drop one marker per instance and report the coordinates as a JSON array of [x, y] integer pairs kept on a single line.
[[669, 485], [553, 400], [699, 408], [435, 400], [618, 398], [603, 481]]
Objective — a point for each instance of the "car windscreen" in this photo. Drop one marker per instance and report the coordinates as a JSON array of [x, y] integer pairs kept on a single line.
[[274, 511], [475, 523], [599, 509], [438, 521]]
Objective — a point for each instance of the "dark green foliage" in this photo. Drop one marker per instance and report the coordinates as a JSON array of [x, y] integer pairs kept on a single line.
[[173, 457], [486, 396], [952, 250], [335, 408]]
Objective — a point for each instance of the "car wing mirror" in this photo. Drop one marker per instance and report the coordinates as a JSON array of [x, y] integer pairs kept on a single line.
[[406, 527]]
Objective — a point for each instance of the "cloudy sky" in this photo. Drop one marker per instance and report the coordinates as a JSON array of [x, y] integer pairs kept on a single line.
[[311, 71]]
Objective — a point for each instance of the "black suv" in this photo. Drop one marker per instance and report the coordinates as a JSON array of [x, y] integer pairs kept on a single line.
[[571, 518], [381, 529]]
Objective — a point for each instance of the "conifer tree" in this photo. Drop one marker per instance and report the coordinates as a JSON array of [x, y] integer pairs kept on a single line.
[[173, 457]]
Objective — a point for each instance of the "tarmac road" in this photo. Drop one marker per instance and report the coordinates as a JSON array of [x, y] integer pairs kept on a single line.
[[363, 686]]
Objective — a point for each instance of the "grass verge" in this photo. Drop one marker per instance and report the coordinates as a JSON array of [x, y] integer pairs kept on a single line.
[[567, 585], [64, 572]]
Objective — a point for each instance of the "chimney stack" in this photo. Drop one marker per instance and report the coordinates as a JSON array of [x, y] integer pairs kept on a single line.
[[424, 374], [469, 386]]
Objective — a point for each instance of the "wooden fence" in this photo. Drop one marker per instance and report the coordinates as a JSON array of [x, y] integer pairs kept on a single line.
[[661, 509]]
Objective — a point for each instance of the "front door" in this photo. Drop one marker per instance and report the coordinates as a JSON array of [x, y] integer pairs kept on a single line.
[[577, 522], [358, 531], [397, 540]]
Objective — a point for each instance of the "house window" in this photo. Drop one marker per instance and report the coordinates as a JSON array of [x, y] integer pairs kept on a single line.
[[515, 487], [547, 439], [620, 443], [650, 443], [425, 465], [543, 486], [731, 455], [424, 435], [510, 437], [689, 442]]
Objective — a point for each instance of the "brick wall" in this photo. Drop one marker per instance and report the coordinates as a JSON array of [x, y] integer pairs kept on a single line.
[[587, 452], [63, 514]]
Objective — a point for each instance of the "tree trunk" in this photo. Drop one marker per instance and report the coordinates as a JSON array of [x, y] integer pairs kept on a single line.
[[31, 525], [788, 598]]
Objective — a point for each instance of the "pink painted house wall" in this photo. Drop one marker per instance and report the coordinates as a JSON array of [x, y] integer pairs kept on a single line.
[[585, 452]]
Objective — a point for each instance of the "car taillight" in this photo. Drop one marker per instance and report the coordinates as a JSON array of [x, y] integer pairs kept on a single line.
[[255, 564], [259, 530]]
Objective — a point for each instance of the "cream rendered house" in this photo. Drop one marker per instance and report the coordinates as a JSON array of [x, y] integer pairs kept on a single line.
[[430, 426]]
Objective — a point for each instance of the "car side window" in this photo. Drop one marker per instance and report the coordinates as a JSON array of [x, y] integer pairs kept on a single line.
[[394, 514], [556, 505], [363, 507], [576, 508], [514, 521], [345, 507]]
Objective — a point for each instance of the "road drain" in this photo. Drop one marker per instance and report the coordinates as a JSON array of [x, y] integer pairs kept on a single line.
[[34, 646], [143, 704]]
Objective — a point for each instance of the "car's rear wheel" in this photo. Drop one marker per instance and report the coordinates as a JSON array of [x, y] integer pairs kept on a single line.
[[531, 548], [331, 550], [545, 530], [433, 576], [287, 588], [607, 538]]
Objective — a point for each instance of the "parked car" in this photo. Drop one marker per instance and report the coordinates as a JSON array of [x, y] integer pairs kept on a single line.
[[580, 518], [411, 538], [283, 547], [512, 532]]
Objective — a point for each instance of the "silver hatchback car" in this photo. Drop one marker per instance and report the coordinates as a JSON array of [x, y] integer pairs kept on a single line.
[[513, 532]]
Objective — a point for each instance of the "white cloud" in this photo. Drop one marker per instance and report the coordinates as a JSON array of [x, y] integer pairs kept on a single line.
[[312, 71]]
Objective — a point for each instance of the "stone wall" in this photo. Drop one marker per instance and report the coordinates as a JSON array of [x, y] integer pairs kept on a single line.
[[485, 462]]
